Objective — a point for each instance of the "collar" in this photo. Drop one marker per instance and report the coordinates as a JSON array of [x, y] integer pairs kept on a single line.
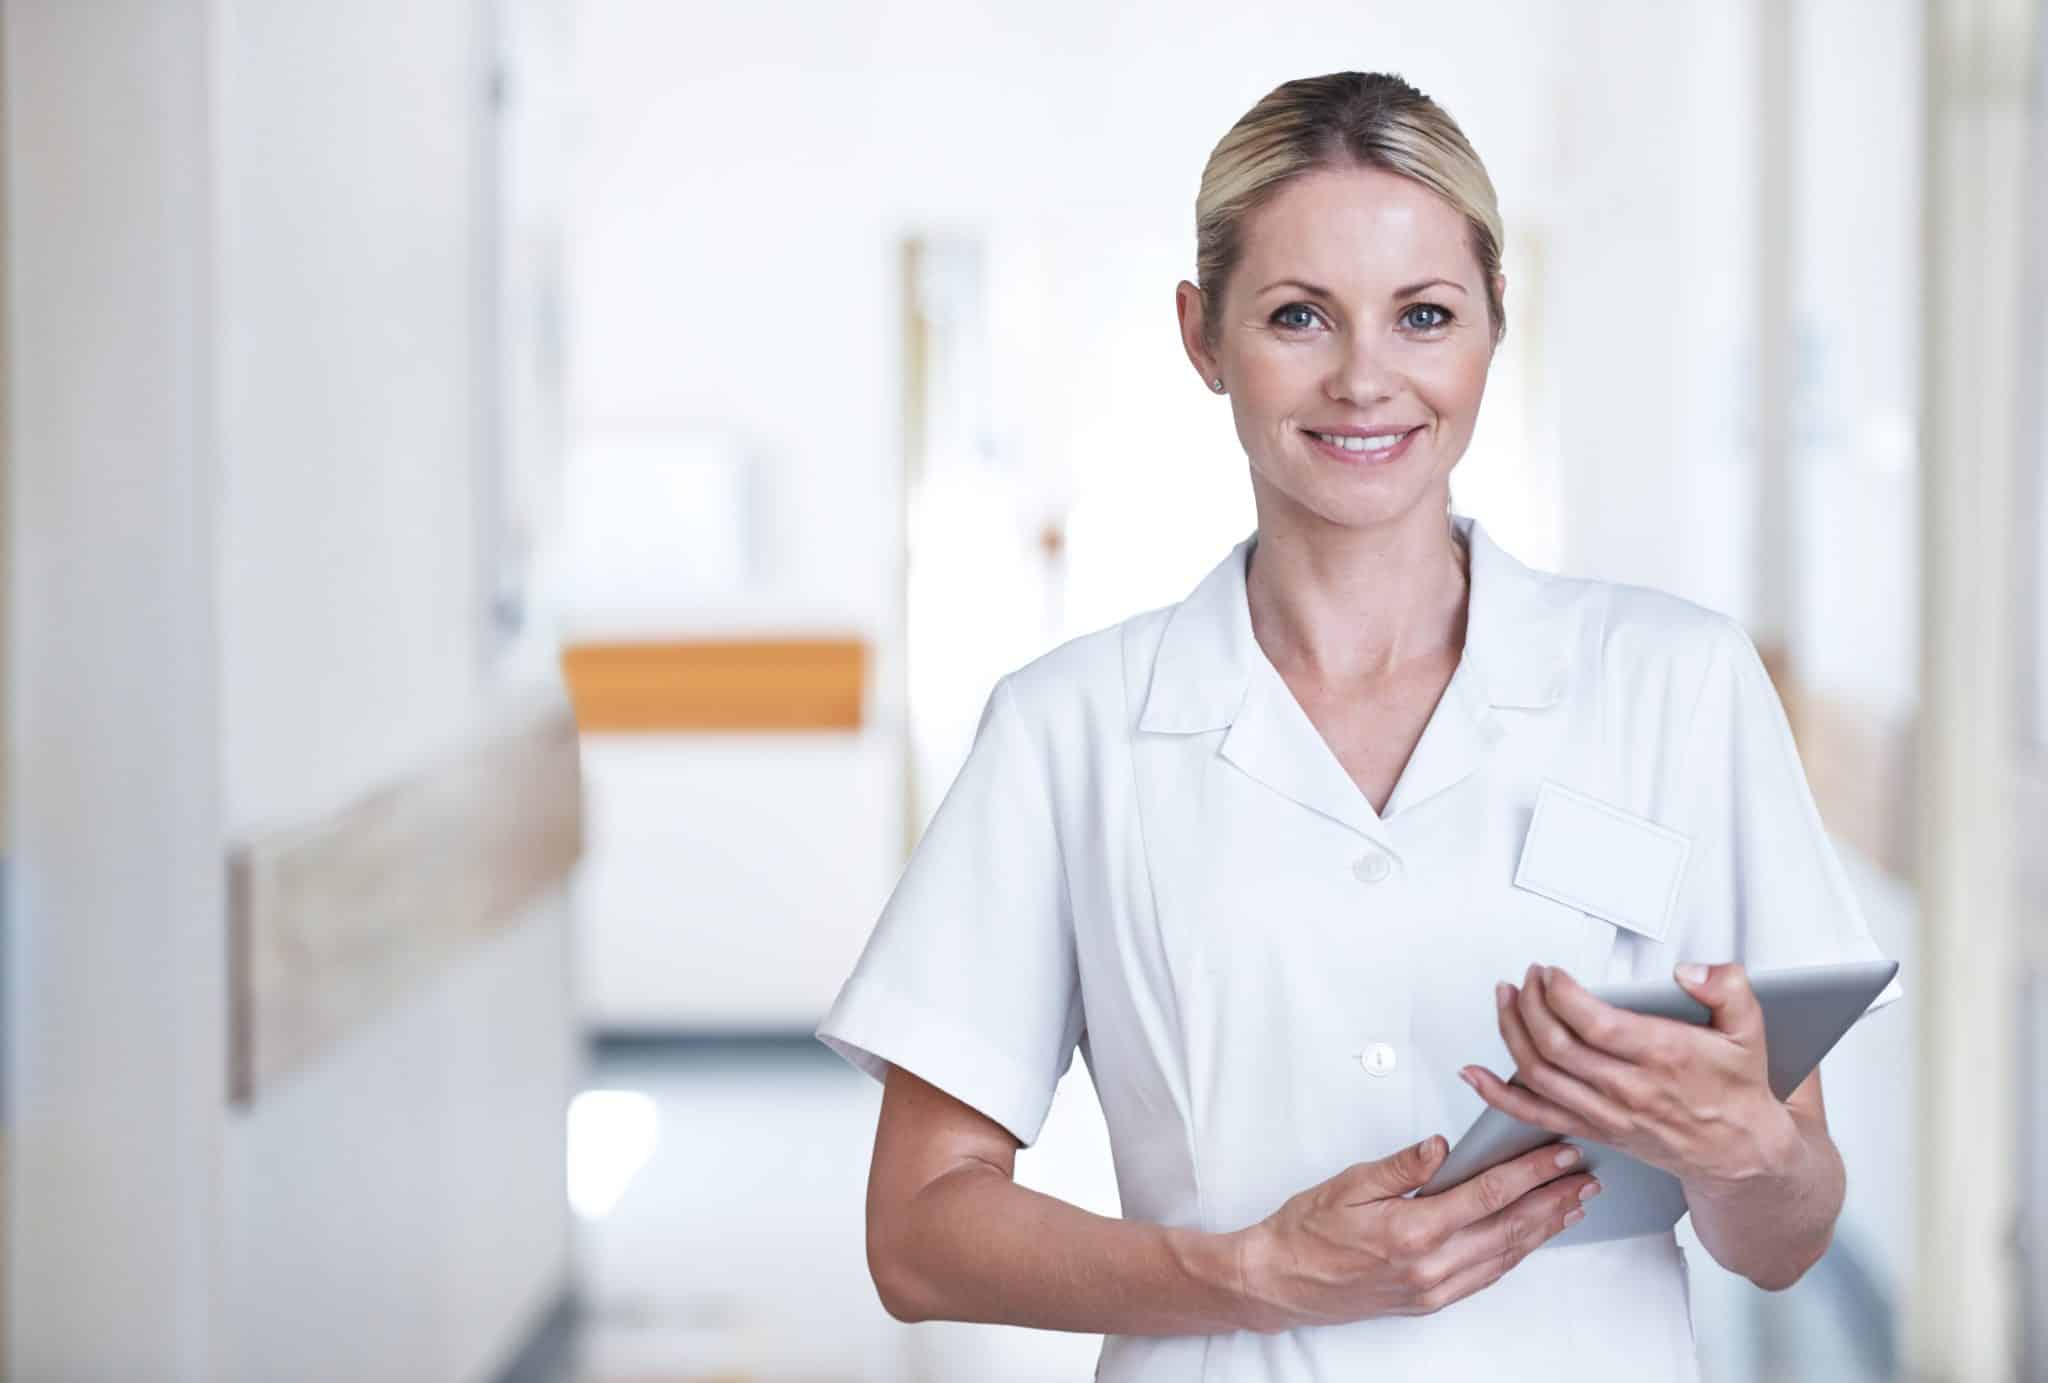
[[1207, 654], [1210, 673]]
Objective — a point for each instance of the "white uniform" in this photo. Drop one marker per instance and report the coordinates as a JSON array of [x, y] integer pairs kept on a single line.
[[1152, 852]]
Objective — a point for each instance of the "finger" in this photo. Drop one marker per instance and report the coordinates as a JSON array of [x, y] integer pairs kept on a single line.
[[1479, 1255], [1521, 1103], [1622, 1081], [1533, 1034], [1726, 992], [1395, 1175], [1599, 1024], [1494, 1189], [1529, 1063]]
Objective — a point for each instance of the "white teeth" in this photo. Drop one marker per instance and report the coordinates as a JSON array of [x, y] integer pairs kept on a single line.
[[1361, 443]]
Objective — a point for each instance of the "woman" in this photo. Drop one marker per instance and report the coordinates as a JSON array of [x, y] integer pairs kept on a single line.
[[1256, 855]]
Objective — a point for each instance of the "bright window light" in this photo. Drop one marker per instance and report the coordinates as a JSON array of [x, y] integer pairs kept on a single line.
[[612, 1134]]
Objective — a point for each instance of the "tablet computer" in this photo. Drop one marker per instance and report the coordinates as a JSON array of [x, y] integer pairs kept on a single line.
[[1806, 1011]]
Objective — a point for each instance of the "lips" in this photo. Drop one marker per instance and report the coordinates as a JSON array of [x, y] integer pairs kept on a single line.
[[1363, 444]]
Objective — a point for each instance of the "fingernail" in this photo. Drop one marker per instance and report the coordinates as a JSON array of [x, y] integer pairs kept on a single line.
[[1575, 1217], [1589, 1190], [1466, 1076], [1568, 1157], [1693, 974], [1503, 994]]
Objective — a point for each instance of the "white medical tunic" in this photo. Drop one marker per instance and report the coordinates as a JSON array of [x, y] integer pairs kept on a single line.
[[1152, 854]]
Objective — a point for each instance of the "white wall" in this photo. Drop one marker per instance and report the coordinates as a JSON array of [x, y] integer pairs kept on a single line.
[[115, 962], [1857, 276], [245, 328], [397, 1210], [1653, 217]]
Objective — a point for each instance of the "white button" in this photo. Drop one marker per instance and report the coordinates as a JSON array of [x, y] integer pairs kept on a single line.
[[1378, 1059], [1372, 867]]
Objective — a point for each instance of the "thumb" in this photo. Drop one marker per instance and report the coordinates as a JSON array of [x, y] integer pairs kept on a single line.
[[1401, 1172], [1725, 990]]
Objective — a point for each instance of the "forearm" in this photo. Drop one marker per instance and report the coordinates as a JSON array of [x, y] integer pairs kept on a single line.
[[1776, 1222], [975, 1246]]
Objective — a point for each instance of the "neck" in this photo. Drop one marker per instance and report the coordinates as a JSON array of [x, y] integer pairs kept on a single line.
[[1344, 606]]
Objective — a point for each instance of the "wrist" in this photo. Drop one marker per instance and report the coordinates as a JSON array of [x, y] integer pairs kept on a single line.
[[1251, 1255], [1772, 1148]]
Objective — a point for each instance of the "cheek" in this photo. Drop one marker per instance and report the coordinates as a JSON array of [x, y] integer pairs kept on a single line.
[[1276, 375], [1267, 403], [1454, 389]]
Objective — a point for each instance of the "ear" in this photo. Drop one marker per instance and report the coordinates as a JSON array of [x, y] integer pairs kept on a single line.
[[1192, 309]]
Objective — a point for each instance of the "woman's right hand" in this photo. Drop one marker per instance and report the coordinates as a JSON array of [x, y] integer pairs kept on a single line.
[[1358, 1246]]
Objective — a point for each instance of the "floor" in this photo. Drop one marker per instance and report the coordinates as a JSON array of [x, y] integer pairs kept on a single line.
[[735, 1252]]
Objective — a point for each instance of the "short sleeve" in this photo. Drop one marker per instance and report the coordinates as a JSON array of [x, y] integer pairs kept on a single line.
[[969, 977], [1764, 885]]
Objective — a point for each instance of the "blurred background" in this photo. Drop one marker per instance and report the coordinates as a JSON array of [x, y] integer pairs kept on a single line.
[[513, 508]]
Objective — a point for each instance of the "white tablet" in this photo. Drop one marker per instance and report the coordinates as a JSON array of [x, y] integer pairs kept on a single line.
[[1806, 1011]]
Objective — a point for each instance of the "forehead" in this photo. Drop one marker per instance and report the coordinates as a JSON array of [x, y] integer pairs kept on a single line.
[[1356, 227]]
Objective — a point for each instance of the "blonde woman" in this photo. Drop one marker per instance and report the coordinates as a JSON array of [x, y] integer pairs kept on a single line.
[[1254, 854]]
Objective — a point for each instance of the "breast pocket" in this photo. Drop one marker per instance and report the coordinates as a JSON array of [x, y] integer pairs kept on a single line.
[[1608, 863]]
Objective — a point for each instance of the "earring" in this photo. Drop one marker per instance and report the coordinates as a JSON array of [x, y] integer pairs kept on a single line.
[[1217, 384]]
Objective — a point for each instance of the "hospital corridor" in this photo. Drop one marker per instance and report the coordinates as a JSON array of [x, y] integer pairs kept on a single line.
[[547, 544]]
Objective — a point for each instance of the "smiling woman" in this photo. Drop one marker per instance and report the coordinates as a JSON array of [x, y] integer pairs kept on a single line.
[[1350, 298], [1255, 856]]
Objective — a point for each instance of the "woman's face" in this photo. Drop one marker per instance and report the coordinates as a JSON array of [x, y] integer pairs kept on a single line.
[[1357, 307]]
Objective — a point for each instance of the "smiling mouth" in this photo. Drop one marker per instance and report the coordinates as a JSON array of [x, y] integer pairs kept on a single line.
[[1363, 445]]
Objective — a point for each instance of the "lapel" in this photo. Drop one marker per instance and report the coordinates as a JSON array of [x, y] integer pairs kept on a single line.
[[1210, 674]]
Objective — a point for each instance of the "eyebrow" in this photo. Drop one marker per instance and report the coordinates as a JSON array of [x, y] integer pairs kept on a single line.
[[1402, 292]]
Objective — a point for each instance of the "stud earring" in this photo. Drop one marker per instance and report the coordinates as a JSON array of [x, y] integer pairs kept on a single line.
[[1217, 384]]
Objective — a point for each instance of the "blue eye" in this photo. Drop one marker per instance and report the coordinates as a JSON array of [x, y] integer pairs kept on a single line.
[[1294, 307], [1443, 313]]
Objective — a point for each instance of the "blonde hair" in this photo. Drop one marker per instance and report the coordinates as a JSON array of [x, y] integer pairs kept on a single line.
[[1345, 119]]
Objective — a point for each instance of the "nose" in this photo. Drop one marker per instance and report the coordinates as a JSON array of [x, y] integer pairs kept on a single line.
[[1361, 374]]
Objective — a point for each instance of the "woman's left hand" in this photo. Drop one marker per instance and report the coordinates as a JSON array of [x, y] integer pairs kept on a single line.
[[1694, 1101]]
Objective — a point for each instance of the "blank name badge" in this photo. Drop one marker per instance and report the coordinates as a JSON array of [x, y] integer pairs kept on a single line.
[[1600, 859]]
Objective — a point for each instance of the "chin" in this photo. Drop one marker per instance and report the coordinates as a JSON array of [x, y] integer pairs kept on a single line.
[[1359, 501], [1371, 505], [1359, 511]]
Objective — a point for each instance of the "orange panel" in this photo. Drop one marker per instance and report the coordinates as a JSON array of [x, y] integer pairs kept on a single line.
[[738, 684]]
